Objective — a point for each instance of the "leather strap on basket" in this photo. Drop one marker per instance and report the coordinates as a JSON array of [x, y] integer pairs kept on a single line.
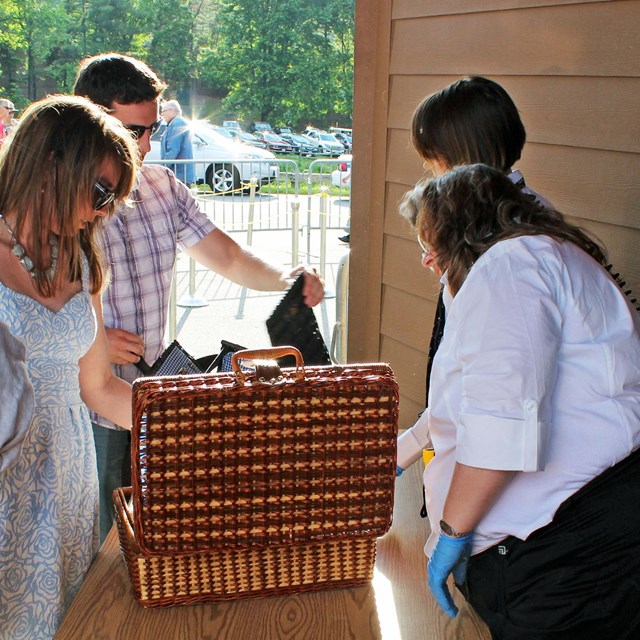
[[266, 370]]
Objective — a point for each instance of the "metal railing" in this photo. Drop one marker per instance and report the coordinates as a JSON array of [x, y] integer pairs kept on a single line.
[[273, 195]]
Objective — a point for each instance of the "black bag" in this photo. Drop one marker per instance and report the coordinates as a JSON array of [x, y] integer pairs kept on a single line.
[[293, 323]]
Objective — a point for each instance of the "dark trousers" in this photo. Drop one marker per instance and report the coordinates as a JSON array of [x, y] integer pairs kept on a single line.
[[113, 455], [576, 578]]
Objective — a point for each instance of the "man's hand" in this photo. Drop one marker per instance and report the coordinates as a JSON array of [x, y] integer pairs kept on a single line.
[[313, 289], [124, 347], [449, 556]]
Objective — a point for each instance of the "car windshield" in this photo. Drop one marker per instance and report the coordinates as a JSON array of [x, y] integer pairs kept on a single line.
[[209, 136], [272, 137], [328, 137], [223, 132]]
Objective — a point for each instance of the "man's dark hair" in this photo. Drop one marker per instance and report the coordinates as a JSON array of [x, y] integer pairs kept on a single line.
[[472, 120], [112, 77]]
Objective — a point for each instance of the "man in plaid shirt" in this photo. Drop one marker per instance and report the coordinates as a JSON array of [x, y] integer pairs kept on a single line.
[[141, 242]]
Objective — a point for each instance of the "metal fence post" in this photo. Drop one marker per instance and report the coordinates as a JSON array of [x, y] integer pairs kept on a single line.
[[191, 300], [252, 204], [295, 232], [324, 201]]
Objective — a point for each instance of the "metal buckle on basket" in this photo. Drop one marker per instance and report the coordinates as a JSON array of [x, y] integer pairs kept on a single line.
[[268, 371]]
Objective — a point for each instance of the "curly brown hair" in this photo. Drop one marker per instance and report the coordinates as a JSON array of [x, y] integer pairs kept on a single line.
[[466, 211]]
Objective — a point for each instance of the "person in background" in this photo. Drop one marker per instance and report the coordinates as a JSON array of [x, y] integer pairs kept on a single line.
[[7, 111], [534, 416], [51, 277], [471, 120], [176, 141], [142, 244]]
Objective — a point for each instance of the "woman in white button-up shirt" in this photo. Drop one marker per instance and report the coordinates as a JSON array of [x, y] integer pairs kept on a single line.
[[534, 412]]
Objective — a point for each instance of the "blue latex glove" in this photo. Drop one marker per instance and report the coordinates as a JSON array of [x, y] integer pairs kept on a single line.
[[399, 471], [450, 555]]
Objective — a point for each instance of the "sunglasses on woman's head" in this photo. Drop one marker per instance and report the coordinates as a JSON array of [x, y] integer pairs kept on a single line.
[[138, 130], [101, 196]]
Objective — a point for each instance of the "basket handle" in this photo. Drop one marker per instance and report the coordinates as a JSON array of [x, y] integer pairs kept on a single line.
[[266, 354]]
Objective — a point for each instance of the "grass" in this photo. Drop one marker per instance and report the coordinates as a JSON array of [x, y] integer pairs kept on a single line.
[[288, 186], [321, 183]]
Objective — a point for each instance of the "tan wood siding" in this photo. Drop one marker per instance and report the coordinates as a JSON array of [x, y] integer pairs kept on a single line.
[[422, 8], [409, 367], [573, 69], [368, 183], [593, 39], [592, 112]]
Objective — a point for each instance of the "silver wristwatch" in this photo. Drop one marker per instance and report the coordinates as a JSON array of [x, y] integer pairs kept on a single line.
[[450, 531]]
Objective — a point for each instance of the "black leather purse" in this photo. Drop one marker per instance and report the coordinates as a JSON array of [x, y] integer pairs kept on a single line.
[[293, 323]]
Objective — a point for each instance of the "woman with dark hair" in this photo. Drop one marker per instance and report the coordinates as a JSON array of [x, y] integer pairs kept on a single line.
[[534, 416], [472, 120], [65, 167]]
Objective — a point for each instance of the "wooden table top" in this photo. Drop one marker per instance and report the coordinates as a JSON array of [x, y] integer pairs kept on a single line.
[[396, 605]]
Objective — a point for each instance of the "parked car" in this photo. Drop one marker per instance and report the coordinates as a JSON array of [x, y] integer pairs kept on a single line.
[[305, 146], [243, 137], [345, 140], [281, 130], [274, 142], [259, 126], [224, 131], [234, 125], [328, 143], [222, 163], [341, 177]]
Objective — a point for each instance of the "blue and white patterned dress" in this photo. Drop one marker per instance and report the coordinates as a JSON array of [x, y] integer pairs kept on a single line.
[[49, 498]]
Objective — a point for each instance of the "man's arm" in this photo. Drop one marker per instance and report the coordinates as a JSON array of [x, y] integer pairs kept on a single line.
[[219, 252]]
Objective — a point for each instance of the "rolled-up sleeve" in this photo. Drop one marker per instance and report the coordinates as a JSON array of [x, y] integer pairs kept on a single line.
[[508, 327], [412, 441]]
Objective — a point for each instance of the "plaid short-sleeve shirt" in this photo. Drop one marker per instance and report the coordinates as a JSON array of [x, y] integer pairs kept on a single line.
[[141, 244]]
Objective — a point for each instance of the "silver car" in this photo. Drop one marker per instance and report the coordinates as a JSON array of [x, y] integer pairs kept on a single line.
[[222, 163]]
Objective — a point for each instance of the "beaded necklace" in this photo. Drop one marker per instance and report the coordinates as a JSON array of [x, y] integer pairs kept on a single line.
[[18, 251]]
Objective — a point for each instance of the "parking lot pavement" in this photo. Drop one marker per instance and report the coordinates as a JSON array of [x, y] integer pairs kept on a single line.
[[239, 315]]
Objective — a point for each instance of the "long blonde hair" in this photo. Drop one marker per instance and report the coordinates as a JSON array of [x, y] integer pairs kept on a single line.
[[49, 167]]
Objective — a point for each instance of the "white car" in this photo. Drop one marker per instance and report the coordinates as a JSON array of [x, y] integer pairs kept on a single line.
[[221, 163], [328, 143], [341, 177]]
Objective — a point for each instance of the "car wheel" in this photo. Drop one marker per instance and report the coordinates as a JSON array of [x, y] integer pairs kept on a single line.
[[222, 178]]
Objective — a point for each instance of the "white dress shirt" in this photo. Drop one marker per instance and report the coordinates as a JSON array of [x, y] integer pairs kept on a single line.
[[538, 372]]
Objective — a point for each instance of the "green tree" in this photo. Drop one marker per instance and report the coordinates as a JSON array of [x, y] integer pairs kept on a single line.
[[286, 60], [289, 61], [177, 29]]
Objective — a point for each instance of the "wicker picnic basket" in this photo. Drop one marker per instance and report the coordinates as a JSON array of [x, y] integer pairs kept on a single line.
[[248, 486]]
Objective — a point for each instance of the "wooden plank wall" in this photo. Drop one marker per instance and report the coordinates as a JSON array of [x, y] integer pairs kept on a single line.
[[573, 69]]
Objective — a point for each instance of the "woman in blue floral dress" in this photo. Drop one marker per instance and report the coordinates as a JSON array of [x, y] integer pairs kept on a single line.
[[66, 166]]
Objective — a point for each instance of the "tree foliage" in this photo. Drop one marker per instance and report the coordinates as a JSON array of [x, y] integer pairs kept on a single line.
[[286, 61]]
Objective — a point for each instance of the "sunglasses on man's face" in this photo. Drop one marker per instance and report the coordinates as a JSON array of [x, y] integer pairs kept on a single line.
[[138, 130], [101, 196]]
